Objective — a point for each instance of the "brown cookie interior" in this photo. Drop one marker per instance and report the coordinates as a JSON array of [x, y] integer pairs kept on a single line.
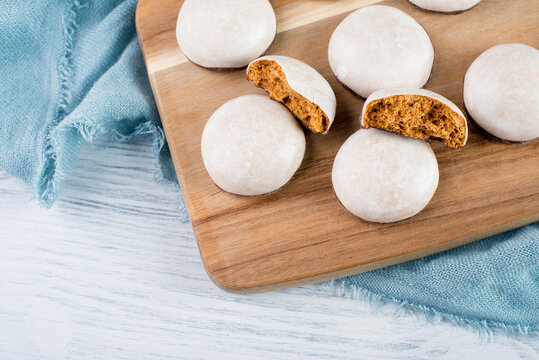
[[417, 116], [269, 75]]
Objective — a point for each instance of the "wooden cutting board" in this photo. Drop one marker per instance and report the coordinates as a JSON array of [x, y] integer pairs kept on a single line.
[[302, 234]]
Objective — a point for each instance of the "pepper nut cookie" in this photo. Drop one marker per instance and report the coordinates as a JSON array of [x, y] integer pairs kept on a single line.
[[446, 6], [378, 47], [383, 177], [222, 35], [417, 113], [501, 92], [252, 145], [299, 87]]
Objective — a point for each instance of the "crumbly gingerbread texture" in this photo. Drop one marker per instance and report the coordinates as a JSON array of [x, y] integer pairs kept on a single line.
[[269, 75], [417, 116]]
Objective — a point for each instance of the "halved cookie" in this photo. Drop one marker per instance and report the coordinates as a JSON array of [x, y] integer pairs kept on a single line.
[[416, 113], [298, 86]]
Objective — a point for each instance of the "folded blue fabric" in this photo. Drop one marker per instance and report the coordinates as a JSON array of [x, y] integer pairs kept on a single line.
[[72, 70], [492, 283]]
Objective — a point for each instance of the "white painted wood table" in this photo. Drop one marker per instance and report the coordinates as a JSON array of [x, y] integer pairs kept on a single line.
[[110, 272]]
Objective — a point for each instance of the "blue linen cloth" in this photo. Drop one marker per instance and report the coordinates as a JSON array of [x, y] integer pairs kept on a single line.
[[72, 70]]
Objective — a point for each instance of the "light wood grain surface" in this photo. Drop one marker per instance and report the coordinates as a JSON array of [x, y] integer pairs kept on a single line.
[[302, 234], [110, 272]]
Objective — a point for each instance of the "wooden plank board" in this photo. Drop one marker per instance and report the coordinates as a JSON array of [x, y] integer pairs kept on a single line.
[[302, 234]]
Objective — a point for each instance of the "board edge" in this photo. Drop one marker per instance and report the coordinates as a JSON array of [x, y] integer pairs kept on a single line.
[[227, 286]]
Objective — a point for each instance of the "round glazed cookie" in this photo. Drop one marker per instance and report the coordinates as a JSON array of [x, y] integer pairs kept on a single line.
[[379, 47], [299, 87], [383, 177], [417, 113], [252, 145], [225, 35], [446, 6], [501, 92]]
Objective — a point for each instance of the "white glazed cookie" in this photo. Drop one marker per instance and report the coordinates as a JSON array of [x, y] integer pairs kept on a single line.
[[379, 47], [417, 113], [501, 92], [383, 177], [298, 86], [228, 34], [446, 6], [252, 145]]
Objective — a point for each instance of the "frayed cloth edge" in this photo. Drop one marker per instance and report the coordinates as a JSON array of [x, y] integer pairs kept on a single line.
[[50, 179], [88, 133], [47, 186], [485, 328]]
